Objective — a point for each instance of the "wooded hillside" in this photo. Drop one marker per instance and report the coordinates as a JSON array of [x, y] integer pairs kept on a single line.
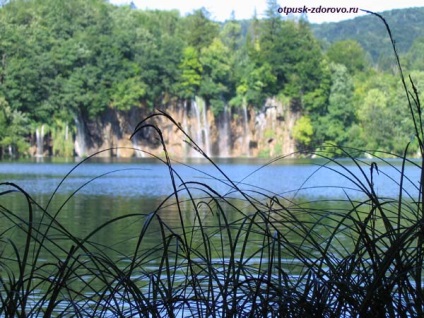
[[62, 60]]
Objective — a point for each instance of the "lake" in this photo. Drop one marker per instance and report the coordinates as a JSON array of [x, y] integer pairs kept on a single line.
[[100, 190], [146, 178], [105, 188]]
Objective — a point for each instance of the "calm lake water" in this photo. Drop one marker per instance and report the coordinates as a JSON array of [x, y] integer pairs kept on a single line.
[[144, 178], [100, 190]]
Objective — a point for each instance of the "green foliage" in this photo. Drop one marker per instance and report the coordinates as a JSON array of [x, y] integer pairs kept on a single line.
[[215, 82], [264, 153], [13, 125], [379, 103], [293, 54], [128, 93], [303, 131], [374, 118], [334, 124], [406, 24], [348, 53], [62, 58], [158, 52], [58, 59], [414, 57], [191, 75], [253, 85], [231, 35], [315, 102], [63, 143], [200, 31]]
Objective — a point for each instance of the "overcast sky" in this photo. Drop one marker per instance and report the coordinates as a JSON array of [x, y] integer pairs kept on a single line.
[[221, 9]]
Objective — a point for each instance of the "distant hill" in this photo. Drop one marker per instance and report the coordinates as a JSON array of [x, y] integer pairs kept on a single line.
[[406, 25]]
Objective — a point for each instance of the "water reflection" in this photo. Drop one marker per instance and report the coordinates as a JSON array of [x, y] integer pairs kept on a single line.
[[224, 227], [147, 178]]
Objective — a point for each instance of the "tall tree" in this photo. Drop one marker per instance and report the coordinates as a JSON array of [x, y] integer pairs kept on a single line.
[[216, 81], [350, 54], [414, 57], [340, 115], [191, 73], [199, 29]]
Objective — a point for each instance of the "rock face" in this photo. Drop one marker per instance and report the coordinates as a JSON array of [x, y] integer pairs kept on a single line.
[[241, 132], [272, 130]]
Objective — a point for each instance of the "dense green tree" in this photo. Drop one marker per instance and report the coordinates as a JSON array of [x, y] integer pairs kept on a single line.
[[400, 113], [65, 59], [350, 54], [309, 74], [315, 102], [303, 132], [340, 115], [215, 86], [380, 102], [294, 55], [128, 93], [191, 73], [414, 57], [13, 125], [271, 25], [158, 52], [231, 35], [406, 25], [199, 29], [253, 85], [373, 116]]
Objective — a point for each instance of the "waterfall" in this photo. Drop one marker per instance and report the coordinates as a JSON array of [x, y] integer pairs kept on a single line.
[[205, 131], [224, 133], [202, 132], [80, 146], [39, 141], [38, 151], [246, 130], [138, 152], [198, 137], [185, 126]]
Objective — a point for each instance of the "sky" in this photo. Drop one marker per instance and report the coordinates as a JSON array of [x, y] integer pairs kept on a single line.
[[221, 9]]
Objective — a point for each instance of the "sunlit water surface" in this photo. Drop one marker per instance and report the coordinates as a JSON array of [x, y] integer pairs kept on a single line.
[[99, 190]]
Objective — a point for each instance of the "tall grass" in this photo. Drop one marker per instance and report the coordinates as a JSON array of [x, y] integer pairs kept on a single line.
[[264, 255]]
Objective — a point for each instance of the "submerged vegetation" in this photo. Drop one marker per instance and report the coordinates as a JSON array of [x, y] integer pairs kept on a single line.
[[268, 256]]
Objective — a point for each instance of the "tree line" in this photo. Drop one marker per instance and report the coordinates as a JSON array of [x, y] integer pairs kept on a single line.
[[64, 59]]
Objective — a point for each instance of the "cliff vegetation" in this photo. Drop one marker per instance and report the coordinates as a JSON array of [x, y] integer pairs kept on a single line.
[[76, 77]]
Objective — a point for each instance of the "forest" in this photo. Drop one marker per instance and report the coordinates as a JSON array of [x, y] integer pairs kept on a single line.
[[62, 60]]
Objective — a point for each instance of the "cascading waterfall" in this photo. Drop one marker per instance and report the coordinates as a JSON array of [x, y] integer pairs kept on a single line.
[[202, 132], [39, 141], [198, 139], [205, 131], [66, 132], [38, 152], [185, 126], [224, 133], [80, 146], [137, 150], [246, 130]]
